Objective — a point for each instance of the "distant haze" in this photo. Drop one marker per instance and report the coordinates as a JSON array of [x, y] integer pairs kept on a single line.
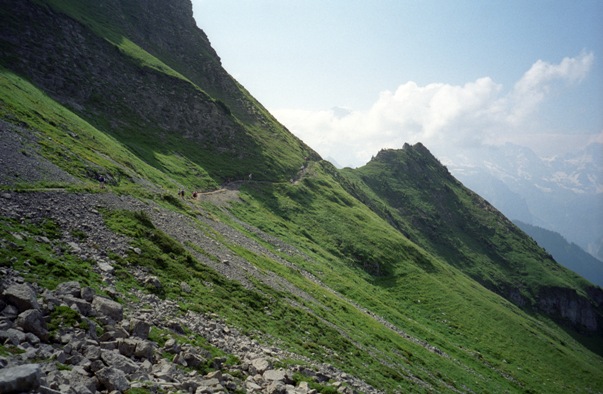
[[476, 82], [350, 78]]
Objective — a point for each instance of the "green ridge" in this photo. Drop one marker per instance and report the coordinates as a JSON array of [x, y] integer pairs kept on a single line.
[[414, 274]]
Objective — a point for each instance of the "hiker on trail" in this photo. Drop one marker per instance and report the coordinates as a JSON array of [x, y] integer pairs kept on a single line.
[[195, 195], [101, 181], [250, 176], [181, 193]]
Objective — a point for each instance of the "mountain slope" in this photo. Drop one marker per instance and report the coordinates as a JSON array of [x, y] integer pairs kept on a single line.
[[320, 267], [135, 97], [559, 193], [438, 213]]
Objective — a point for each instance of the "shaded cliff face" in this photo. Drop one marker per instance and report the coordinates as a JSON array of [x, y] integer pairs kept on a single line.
[[168, 31], [436, 211], [88, 73], [107, 70], [565, 304]]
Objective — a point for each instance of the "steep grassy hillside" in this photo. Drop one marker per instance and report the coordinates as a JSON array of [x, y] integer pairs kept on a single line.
[[419, 197], [140, 99], [392, 273]]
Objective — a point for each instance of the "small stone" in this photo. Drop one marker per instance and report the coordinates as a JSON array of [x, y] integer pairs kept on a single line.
[[74, 246], [185, 287], [106, 267]]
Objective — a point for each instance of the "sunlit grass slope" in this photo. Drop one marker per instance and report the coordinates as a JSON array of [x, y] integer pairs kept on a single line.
[[424, 201], [364, 258]]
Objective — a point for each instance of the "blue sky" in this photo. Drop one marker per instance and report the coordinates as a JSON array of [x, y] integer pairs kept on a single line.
[[352, 77]]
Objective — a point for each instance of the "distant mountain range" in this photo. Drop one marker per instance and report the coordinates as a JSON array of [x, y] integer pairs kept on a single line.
[[566, 253], [562, 194]]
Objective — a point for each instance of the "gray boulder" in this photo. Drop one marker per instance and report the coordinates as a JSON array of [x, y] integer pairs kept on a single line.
[[259, 365], [118, 361], [12, 336], [73, 289], [139, 328], [20, 379], [211, 385], [113, 379], [32, 321], [144, 350], [109, 309], [126, 346], [276, 375], [87, 294], [22, 296]]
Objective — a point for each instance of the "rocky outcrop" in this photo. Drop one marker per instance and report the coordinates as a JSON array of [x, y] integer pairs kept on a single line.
[[108, 349], [95, 79], [108, 345], [567, 305]]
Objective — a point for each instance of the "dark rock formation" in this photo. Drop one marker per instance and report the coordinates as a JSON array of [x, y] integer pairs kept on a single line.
[[566, 305]]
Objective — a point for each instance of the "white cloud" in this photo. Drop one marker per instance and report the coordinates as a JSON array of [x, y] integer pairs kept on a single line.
[[537, 82], [442, 116]]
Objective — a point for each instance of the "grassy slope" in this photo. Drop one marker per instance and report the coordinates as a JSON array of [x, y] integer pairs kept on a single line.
[[493, 346], [424, 201], [417, 292]]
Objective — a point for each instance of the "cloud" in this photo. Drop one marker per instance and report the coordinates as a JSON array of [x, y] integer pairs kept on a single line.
[[537, 82], [440, 115]]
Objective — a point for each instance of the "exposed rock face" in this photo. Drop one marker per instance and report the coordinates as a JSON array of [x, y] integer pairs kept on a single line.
[[566, 304], [88, 73]]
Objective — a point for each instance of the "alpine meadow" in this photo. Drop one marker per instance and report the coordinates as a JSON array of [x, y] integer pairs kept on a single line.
[[161, 232]]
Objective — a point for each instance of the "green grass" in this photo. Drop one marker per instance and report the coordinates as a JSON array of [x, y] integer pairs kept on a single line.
[[47, 263], [394, 245], [413, 290], [486, 338], [418, 196]]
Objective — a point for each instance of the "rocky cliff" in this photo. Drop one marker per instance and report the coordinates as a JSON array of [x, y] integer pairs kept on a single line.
[[112, 78]]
